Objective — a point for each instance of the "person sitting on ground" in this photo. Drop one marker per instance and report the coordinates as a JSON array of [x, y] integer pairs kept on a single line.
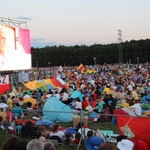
[[100, 103], [64, 96], [39, 111], [10, 102], [49, 146], [105, 114], [90, 133], [77, 105], [136, 107], [28, 130], [92, 143], [85, 102], [35, 144], [43, 130], [9, 117], [2, 113], [107, 146], [77, 137], [2, 103], [11, 143], [21, 145], [57, 133], [17, 111], [67, 138], [25, 95], [29, 106]]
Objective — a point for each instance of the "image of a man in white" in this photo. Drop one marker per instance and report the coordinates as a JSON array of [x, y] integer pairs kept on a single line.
[[2, 47]]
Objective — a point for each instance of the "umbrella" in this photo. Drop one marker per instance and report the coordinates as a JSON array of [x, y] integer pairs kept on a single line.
[[32, 100], [121, 95], [113, 93]]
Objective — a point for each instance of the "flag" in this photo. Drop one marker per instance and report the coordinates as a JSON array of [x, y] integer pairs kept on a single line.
[[14, 89], [81, 68]]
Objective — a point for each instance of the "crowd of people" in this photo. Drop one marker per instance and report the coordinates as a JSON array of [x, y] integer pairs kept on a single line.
[[103, 90]]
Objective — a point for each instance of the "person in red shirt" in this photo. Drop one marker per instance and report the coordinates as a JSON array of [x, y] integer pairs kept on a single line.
[[85, 102], [76, 140]]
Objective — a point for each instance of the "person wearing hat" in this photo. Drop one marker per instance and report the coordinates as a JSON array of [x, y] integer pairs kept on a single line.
[[125, 145], [92, 143]]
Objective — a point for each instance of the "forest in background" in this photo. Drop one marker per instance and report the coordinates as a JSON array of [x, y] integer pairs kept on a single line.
[[132, 51]]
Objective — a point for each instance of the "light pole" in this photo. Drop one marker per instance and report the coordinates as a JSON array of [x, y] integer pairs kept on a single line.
[[137, 60], [120, 46]]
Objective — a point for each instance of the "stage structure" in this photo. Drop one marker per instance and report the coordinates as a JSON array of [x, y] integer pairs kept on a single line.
[[15, 51]]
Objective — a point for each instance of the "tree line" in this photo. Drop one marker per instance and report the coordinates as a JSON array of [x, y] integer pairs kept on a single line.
[[134, 51]]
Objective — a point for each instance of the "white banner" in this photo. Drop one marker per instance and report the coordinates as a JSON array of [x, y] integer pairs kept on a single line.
[[4, 79]]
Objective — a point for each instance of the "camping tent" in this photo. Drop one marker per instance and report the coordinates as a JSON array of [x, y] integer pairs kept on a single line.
[[55, 110]]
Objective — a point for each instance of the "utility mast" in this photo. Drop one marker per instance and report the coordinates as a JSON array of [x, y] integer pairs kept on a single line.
[[120, 46]]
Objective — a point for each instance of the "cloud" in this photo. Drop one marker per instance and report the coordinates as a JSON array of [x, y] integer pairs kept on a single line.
[[40, 42], [24, 18]]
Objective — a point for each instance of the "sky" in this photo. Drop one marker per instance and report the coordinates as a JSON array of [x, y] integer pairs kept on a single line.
[[80, 22]]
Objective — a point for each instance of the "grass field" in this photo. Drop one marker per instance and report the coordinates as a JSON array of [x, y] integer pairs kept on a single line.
[[92, 125]]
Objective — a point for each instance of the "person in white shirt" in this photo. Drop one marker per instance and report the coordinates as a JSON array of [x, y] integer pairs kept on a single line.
[[77, 104], [136, 107], [25, 95], [57, 95], [64, 96], [57, 132]]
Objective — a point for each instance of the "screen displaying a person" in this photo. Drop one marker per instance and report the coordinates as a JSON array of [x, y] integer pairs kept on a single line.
[[2, 47], [14, 48]]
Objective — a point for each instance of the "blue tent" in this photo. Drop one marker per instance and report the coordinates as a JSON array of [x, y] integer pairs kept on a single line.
[[55, 110]]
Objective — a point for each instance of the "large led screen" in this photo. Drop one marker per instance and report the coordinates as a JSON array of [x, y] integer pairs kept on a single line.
[[15, 52]]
